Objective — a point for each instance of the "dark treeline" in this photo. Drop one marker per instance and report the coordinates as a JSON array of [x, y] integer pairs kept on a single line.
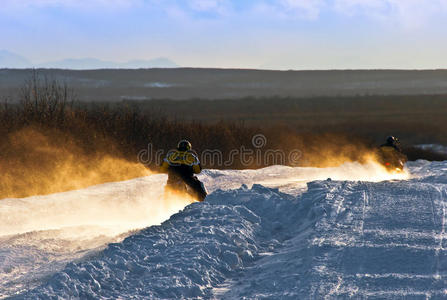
[[415, 119], [318, 127], [50, 143]]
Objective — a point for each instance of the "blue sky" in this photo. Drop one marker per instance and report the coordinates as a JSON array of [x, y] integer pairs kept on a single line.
[[273, 34]]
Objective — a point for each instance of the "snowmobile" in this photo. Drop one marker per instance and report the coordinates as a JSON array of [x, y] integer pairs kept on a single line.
[[191, 187], [180, 165], [393, 160], [396, 166]]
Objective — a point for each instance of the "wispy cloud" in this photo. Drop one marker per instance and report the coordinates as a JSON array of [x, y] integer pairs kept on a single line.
[[290, 9], [307, 8], [406, 13], [81, 4], [353, 7], [219, 6]]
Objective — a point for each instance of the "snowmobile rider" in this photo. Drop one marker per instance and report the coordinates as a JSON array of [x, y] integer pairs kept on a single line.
[[391, 154], [392, 142], [181, 165]]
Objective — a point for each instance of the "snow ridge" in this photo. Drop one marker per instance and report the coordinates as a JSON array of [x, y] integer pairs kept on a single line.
[[339, 239], [185, 257]]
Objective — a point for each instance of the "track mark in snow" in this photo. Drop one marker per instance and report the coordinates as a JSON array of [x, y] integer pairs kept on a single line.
[[336, 288], [362, 220], [388, 238], [440, 248]]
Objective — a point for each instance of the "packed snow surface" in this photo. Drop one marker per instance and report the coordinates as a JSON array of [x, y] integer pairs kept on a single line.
[[275, 233]]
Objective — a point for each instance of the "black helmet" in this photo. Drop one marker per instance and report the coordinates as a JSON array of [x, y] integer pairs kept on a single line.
[[392, 140], [184, 145]]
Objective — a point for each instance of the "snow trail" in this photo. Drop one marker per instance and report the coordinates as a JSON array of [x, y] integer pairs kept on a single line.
[[319, 239], [329, 258]]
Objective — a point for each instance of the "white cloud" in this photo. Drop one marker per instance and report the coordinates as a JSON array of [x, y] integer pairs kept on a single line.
[[206, 5], [417, 13], [172, 7], [294, 9], [307, 8], [406, 13], [221, 7], [352, 7], [82, 4]]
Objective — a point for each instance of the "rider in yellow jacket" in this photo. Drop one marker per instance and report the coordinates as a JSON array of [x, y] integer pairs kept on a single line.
[[181, 165]]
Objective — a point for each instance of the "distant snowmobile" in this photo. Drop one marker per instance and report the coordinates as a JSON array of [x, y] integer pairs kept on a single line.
[[391, 156], [181, 165]]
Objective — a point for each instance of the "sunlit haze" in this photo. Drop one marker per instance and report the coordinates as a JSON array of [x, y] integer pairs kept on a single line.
[[280, 34]]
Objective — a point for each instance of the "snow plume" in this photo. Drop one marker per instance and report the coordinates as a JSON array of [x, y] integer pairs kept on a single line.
[[325, 150], [370, 171], [346, 159], [41, 234], [294, 180], [36, 162], [331, 154], [103, 210]]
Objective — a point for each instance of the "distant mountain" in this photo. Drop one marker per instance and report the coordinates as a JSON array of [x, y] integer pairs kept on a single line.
[[12, 60], [93, 63], [78, 64]]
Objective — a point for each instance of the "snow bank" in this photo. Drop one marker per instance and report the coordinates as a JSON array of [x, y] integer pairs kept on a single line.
[[338, 239], [277, 236], [186, 256]]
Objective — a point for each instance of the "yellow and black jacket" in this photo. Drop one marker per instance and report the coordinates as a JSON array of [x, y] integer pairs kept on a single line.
[[183, 164]]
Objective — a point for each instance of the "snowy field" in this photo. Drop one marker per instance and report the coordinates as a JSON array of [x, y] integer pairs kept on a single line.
[[275, 233]]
